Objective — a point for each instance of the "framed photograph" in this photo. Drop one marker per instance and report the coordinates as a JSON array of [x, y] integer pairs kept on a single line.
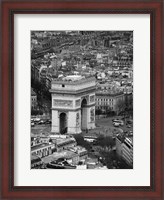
[[82, 99]]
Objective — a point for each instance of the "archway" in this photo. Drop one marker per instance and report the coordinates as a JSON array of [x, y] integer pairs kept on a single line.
[[63, 123], [84, 114]]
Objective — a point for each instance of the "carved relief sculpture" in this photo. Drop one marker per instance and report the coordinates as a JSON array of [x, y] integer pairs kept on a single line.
[[92, 115], [77, 120], [63, 103], [92, 98], [77, 102]]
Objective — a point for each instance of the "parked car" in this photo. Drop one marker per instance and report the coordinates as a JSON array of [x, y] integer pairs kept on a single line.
[[115, 120], [48, 121], [120, 122], [116, 124], [32, 124], [41, 122], [36, 120]]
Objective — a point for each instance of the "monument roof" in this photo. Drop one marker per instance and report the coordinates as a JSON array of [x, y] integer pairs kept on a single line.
[[73, 78]]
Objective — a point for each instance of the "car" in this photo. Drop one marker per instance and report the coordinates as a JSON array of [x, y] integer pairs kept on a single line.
[[48, 121], [36, 120], [116, 124], [32, 124], [41, 122], [129, 126], [115, 120], [120, 122]]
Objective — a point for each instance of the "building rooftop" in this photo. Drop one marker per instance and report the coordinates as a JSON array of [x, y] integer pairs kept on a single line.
[[39, 146], [73, 85], [35, 159], [109, 92], [64, 154], [77, 149], [60, 141], [129, 139], [121, 138], [126, 140], [73, 78]]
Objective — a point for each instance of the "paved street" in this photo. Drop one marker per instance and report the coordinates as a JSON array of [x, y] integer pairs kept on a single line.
[[103, 126]]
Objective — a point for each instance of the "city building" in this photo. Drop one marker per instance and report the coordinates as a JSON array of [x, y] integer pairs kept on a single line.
[[69, 156], [81, 151], [108, 100], [127, 150], [34, 140], [35, 161], [42, 150], [124, 148], [64, 143], [119, 140], [73, 155], [33, 99]]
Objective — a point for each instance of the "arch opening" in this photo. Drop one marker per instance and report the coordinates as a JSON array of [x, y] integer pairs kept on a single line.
[[84, 114], [63, 123]]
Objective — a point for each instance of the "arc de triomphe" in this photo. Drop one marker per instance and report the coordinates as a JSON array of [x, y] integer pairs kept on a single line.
[[73, 104]]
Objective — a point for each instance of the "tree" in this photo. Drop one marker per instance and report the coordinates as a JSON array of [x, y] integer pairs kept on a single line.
[[109, 158], [36, 112], [121, 106], [129, 104], [98, 112], [81, 142], [105, 141]]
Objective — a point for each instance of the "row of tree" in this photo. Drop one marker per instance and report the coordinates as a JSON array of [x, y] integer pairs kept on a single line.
[[36, 112], [105, 142], [41, 89], [43, 96]]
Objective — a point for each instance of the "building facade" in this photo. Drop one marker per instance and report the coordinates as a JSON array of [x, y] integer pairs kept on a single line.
[[107, 101], [127, 151], [42, 150], [124, 148], [33, 99]]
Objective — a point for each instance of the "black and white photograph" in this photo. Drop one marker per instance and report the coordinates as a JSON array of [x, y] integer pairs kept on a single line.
[[81, 99]]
